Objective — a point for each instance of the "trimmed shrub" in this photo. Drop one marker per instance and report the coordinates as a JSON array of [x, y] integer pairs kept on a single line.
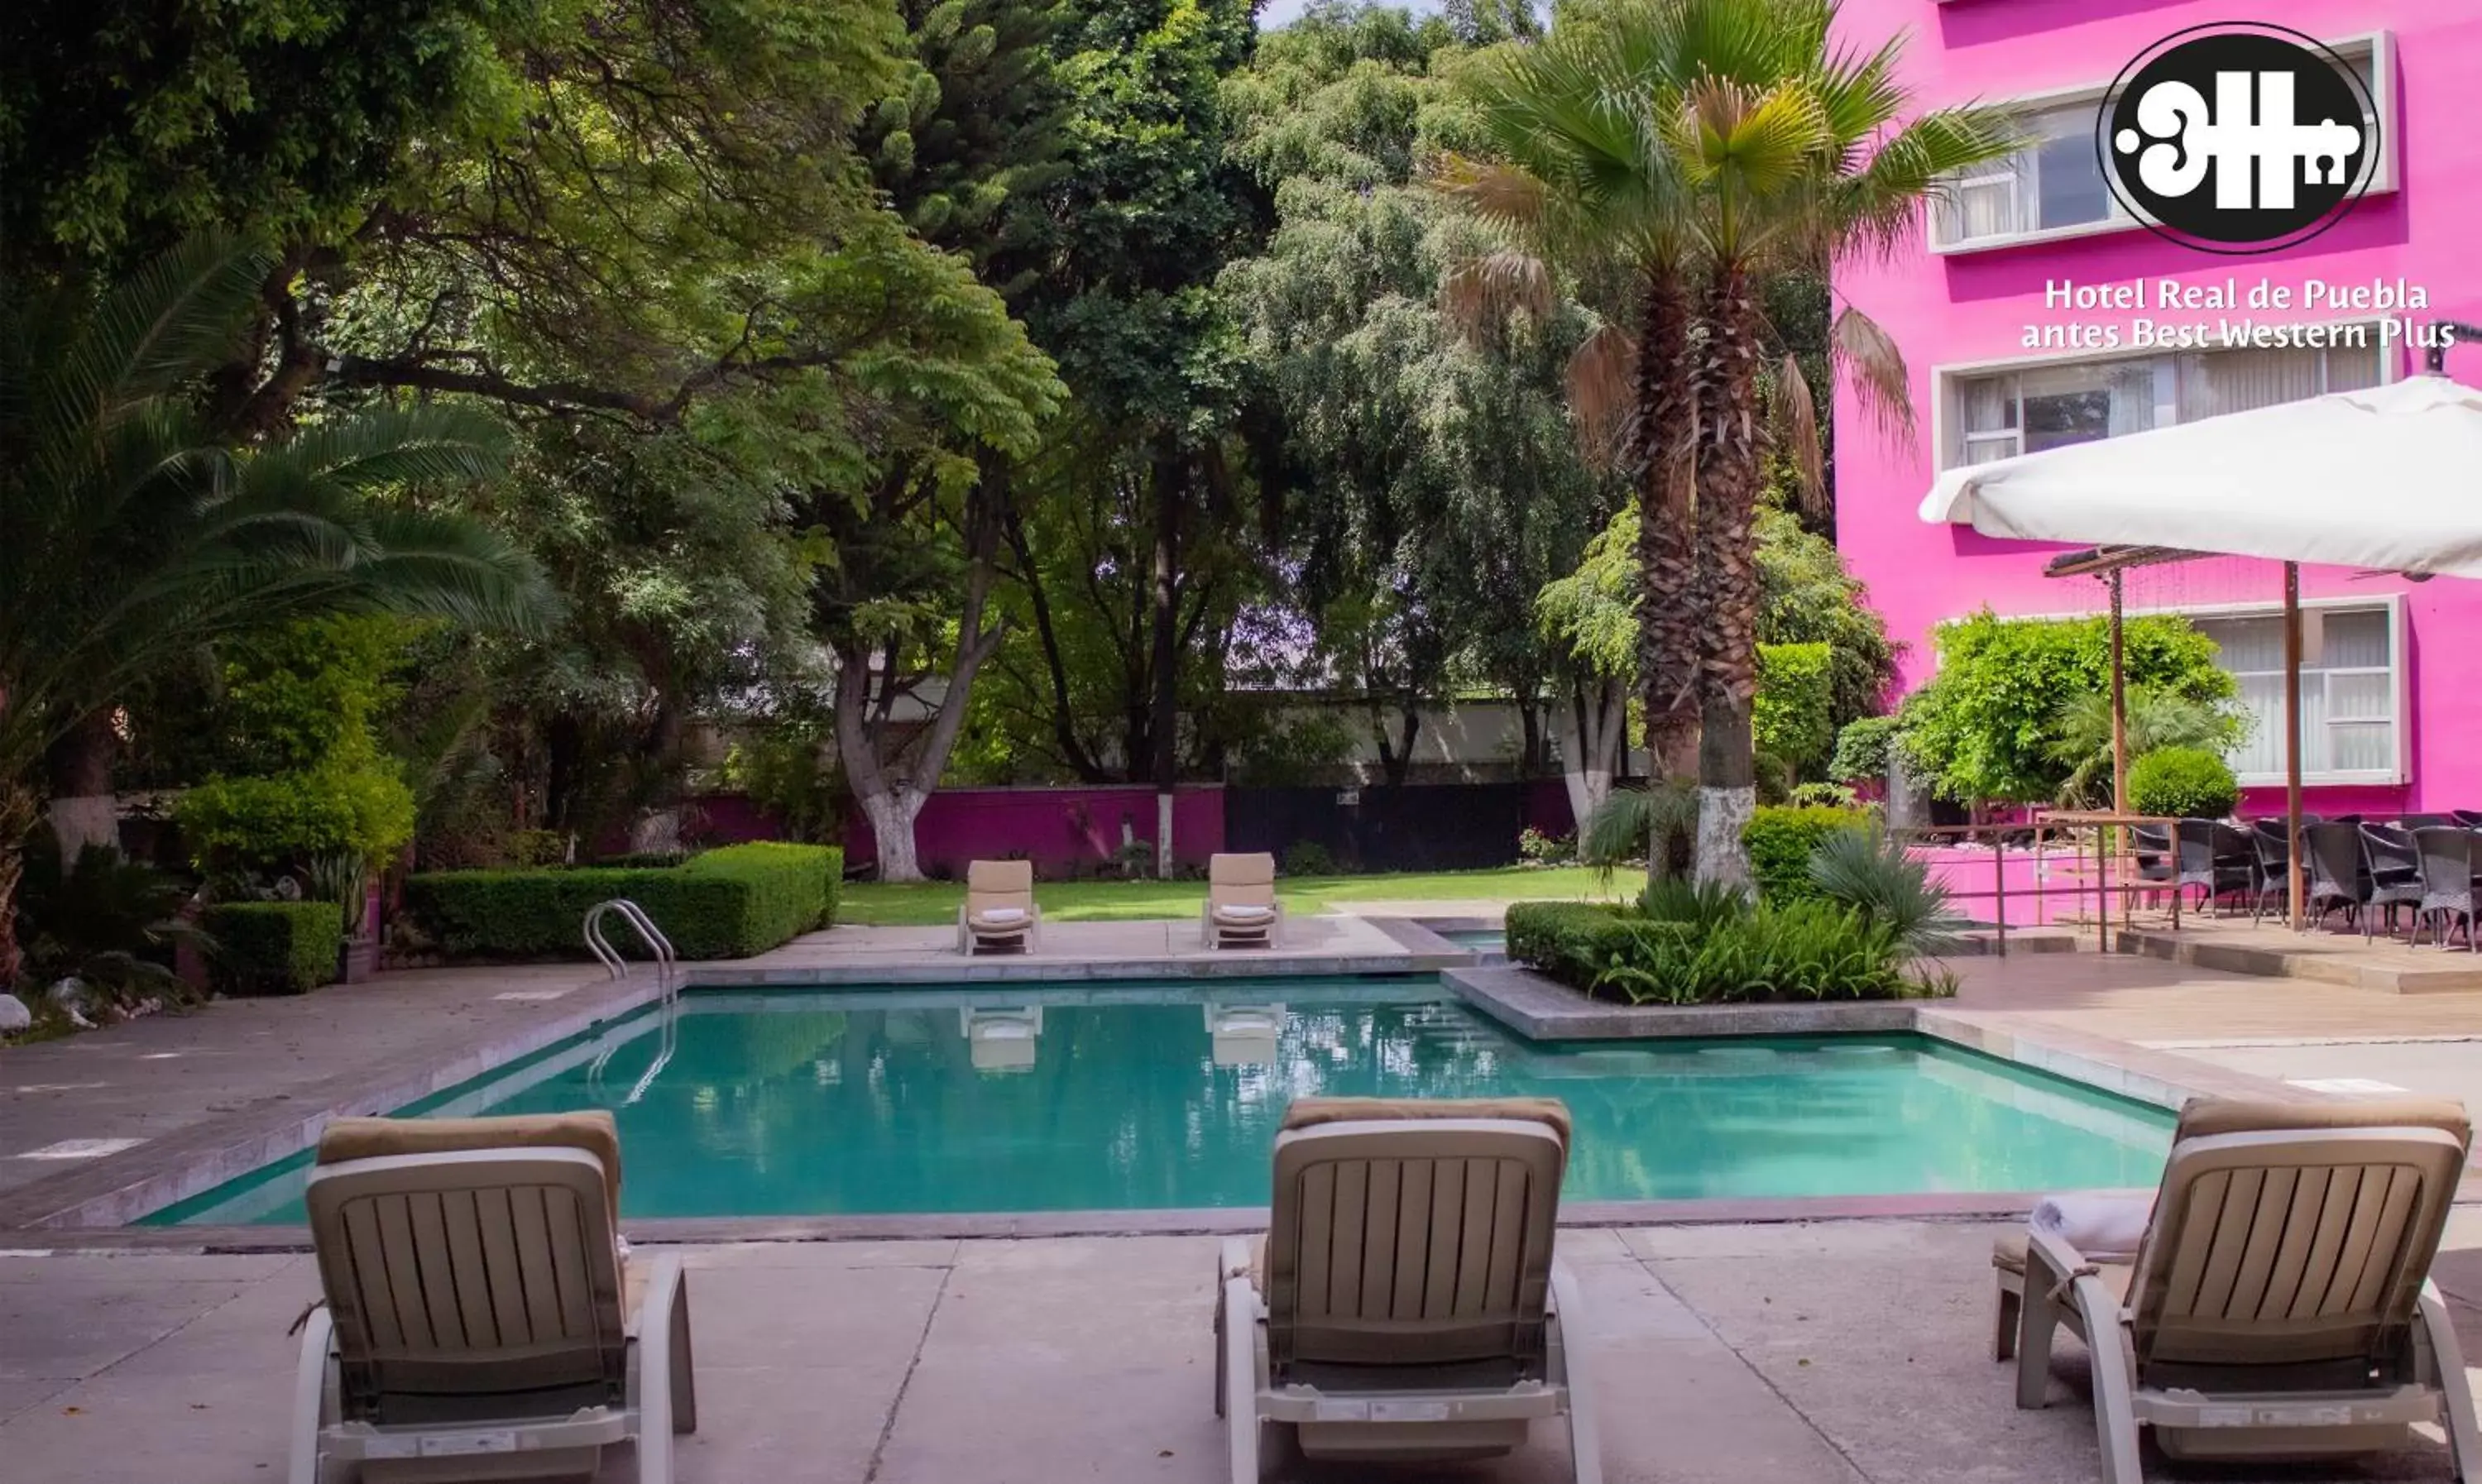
[[274, 948], [2187, 783], [1792, 716], [728, 903], [1865, 749], [1792, 951], [1308, 857], [1780, 840]]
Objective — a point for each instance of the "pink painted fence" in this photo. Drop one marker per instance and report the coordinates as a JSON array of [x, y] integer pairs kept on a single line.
[[1063, 831]]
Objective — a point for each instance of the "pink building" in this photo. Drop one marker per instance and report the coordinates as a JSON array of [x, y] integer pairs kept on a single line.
[[2014, 319]]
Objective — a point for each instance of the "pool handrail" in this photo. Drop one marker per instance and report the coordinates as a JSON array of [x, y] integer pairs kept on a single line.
[[668, 989]]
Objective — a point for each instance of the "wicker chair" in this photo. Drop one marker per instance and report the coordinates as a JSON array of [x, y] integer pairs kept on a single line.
[[2446, 856], [2217, 858], [2412, 822], [2270, 876], [2394, 868], [2332, 854], [2471, 819]]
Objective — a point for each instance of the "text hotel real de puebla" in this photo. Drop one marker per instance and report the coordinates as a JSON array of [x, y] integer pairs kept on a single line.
[[2233, 313]]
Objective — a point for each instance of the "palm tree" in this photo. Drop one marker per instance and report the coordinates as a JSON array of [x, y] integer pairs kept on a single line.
[[1789, 157], [130, 535], [1690, 148]]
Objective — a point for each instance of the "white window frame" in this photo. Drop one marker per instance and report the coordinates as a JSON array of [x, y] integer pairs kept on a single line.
[[2399, 697], [1947, 446], [2392, 604], [2116, 219]]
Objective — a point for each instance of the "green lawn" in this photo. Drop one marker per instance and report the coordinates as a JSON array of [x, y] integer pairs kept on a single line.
[[931, 903]]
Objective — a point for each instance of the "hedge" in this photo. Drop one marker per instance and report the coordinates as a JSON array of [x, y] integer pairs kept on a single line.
[[1793, 716], [2185, 782], [725, 904], [1780, 840], [1811, 950], [274, 948]]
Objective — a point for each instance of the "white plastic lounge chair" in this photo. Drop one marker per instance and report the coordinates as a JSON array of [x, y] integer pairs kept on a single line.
[[1241, 910], [1405, 1304], [999, 910], [483, 1318], [2279, 1305]]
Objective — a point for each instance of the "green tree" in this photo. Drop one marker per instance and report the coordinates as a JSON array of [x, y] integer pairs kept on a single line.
[[1987, 727], [1703, 145], [1439, 484], [129, 537]]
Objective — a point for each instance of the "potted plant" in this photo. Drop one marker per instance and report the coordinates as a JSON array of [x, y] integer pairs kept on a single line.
[[344, 879]]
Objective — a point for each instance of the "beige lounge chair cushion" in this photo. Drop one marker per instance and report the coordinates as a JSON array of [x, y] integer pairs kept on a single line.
[[1245, 916], [2205, 1118], [1000, 919], [1311, 1112], [1245, 871], [380, 1138], [999, 877], [2008, 1255]]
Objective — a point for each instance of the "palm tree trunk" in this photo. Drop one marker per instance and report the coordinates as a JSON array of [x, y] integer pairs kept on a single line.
[[19, 808], [1669, 616], [1728, 484]]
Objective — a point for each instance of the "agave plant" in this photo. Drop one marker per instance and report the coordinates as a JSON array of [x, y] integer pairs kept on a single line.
[[1868, 871]]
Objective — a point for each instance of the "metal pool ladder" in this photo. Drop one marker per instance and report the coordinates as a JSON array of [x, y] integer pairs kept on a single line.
[[668, 988]]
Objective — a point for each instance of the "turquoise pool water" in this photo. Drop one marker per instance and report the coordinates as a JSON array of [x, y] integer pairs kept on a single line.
[[1479, 939], [816, 1103]]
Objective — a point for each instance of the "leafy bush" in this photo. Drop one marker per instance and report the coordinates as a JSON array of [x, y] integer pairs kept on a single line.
[[1792, 718], [1780, 840], [1542, 849], [787, 767], [107, 920], [299, 772], [1865, 749], [2188, 782], [1308, 857], [2155, 719], [1699, 905], [1834, 796], [274, 948], [1630, 820], [1870, 871], [728, 903], [1728, 952], [1986, 726]]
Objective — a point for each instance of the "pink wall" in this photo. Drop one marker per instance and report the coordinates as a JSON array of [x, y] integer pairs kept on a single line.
[[1060, 829], [1974, 307]]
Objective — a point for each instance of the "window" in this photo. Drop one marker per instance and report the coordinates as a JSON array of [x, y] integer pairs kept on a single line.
[[2055, 187], [2048, 405], [2350, 710]]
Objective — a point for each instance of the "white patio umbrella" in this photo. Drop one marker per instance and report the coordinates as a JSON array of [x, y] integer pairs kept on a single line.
[[2389, 478]]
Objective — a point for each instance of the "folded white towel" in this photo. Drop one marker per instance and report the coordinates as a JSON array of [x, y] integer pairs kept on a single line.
[[2103, 1226], [1245, 913], [1000, 917]]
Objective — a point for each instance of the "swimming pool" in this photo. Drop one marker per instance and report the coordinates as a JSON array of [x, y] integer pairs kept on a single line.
[[812, 1103]]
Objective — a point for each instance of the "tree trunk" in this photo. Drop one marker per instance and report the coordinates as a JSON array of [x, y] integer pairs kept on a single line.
[[1670, 613], [84, 809], [891, 814], [19, 810], [1728, 481], [1165, 725], [1597, 727]]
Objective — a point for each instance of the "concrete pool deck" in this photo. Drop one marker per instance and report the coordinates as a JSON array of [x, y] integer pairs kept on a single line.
[[1793, 1350], [1831, 1353]]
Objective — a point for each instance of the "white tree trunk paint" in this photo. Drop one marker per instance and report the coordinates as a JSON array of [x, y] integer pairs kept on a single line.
[[88, 819], [1723, 813], [1163, 836]]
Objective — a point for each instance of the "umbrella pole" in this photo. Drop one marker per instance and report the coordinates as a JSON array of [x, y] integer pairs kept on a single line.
[[2292, 739], [2119, 706]]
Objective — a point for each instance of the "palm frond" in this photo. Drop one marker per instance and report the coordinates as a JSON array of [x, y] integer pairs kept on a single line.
[[1480, 294], [1603, 395], [1860, 349], [1797, 412]]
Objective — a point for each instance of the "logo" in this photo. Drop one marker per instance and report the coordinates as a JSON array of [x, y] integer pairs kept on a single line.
[[2239, 137]]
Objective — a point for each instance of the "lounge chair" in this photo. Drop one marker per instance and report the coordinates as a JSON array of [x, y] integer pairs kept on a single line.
[[2278, 1304], [483, 1318], [1241, 910], [1405, 1304], [999, 911]]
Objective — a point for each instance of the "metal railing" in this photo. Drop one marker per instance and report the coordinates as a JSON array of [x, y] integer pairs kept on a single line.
[[668, 988], [2090, 860]]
